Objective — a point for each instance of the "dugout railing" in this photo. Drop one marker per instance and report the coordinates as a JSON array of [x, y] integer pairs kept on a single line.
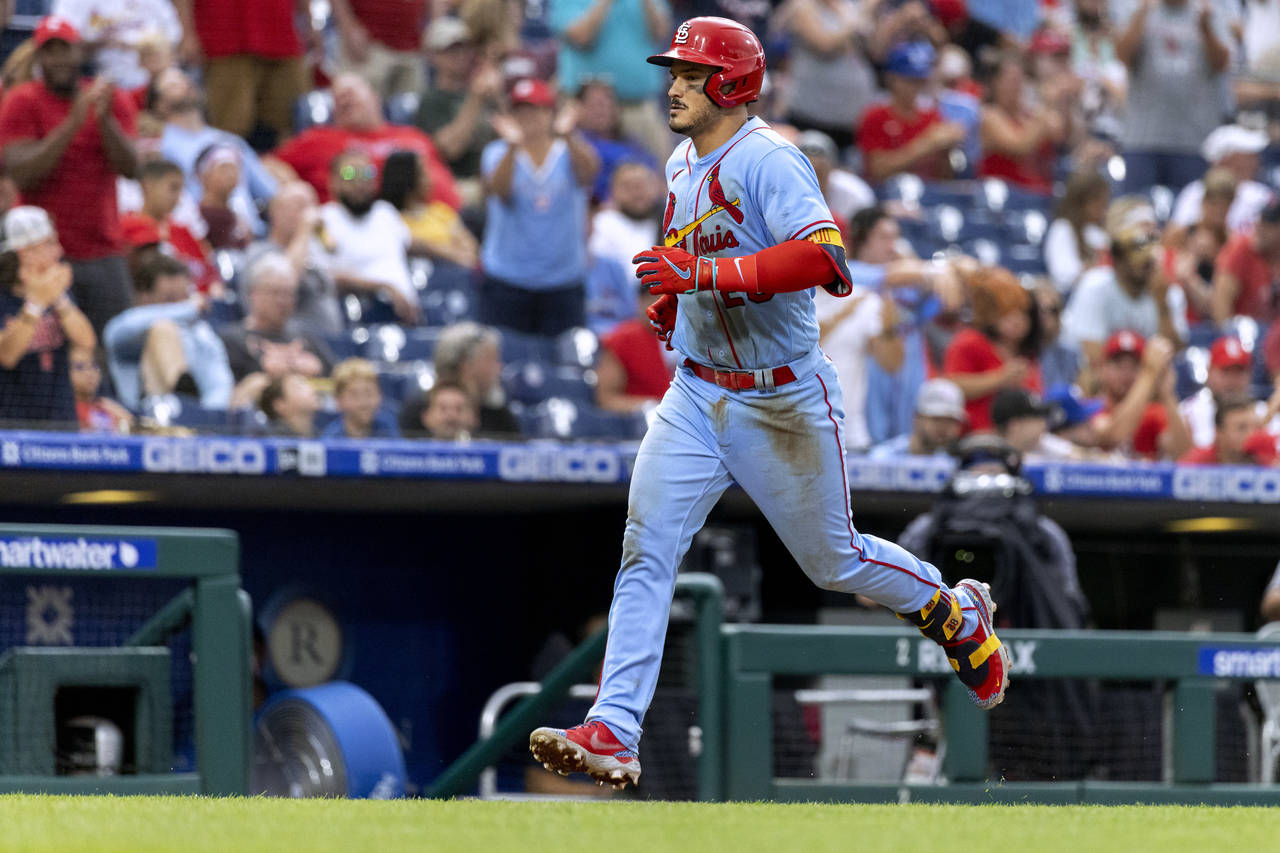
[[706, 593], [210, 605], [1189, 664]]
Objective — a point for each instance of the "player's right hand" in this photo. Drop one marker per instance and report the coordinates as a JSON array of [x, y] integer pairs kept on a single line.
[[662, 317]]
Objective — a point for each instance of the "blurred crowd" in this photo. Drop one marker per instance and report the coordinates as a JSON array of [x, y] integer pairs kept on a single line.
[[358, 218]]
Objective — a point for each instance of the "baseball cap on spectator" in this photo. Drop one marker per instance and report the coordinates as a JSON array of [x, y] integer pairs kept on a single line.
[[941, 398], [1261, 446], [1125, 342], [55, 27], [25, 226], [1232, 139], [532, 91], [1070, 408], [1014, 403], [1228, 352], [447, 31], [1050, 42], [950, 13], [813, 142], [910, 59]]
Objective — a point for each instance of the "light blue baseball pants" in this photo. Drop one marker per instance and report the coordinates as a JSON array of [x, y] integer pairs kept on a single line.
[[786, 449]]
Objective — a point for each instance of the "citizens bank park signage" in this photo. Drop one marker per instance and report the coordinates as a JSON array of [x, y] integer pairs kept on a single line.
[[593, 463]]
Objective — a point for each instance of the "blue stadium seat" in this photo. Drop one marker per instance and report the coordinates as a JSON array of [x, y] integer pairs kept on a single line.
[[401, 380], [1025, 226], [577, 348], [946, 222], [348, 344], [185, 411], [313, 108], [401, 108], [908, 189], [566, 419], [450, 294], [958, 194], [988, 252], [1023, 258], [1190, 368], [521, 346], [998, 195], [392, 342], [534, 381]]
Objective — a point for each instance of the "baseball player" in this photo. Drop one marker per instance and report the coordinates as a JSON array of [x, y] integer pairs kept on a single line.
[[748, 238]]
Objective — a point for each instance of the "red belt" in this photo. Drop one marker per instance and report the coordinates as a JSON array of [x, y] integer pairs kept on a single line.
[[742, 380]]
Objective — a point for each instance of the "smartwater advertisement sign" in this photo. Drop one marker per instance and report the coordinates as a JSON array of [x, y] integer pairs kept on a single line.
[[76, 552]]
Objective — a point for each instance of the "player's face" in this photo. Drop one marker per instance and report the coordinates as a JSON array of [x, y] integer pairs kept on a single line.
[[691, 109]]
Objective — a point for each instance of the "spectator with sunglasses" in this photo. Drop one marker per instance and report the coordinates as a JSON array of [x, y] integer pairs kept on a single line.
[[371, 241], [1131, 294]]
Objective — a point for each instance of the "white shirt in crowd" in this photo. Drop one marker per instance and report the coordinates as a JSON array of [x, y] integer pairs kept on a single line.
[[374, 247], [1251, 197], [1062, 254], [847, 345], [616, 235], [1198, 411], [121, 26], [1099, 307], [847, 194]]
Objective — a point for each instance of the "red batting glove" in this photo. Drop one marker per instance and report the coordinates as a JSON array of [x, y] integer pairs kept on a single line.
[[670, 270], [662, 317]]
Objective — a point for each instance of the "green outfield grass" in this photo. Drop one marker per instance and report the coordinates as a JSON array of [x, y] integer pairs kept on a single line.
[[140, 824]]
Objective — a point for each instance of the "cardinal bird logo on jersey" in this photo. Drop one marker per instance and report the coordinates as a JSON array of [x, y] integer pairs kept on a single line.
[[691, 236], [715, 192]]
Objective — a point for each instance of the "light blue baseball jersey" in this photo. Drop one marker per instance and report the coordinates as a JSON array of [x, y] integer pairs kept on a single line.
[[755, 191]]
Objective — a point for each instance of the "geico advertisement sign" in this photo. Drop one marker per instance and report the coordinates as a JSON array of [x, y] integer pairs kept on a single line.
[[569, 464], [204, 456], [1227, 483]]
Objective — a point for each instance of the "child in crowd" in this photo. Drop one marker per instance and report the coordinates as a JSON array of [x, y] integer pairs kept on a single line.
[[95, 412], [355, 389], [218, 168]]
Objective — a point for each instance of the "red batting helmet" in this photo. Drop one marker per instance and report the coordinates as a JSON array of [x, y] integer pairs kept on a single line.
[[723, 44]]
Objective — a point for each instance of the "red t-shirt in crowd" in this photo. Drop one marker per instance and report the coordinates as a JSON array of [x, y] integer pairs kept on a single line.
[[311, 152], [184, 244], [265, 28], [1146, 438], [883, 128], [79, 193], [395, 23], [1033, 171], [1259, 295], [640, 352], [1207, 455], [970, 351]]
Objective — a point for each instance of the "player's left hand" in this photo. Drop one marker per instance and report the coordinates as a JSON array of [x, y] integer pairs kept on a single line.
[[662, 317], [666, 269]]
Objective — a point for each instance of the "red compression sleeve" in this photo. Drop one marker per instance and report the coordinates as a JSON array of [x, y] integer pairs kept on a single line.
[[787, 267]]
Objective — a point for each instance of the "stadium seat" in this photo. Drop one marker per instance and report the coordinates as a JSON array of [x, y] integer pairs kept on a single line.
[[988, 252], [313, 108], [400, 381], [1025, 226], [1162, 199], [946, 222], [183, 410], [562, 418], [395, 343], [348, 344], [958, 194], [449, 295], [521, 346], [906, 188], [577, 348], [401, 108], [534, 381], [1191, 368]]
